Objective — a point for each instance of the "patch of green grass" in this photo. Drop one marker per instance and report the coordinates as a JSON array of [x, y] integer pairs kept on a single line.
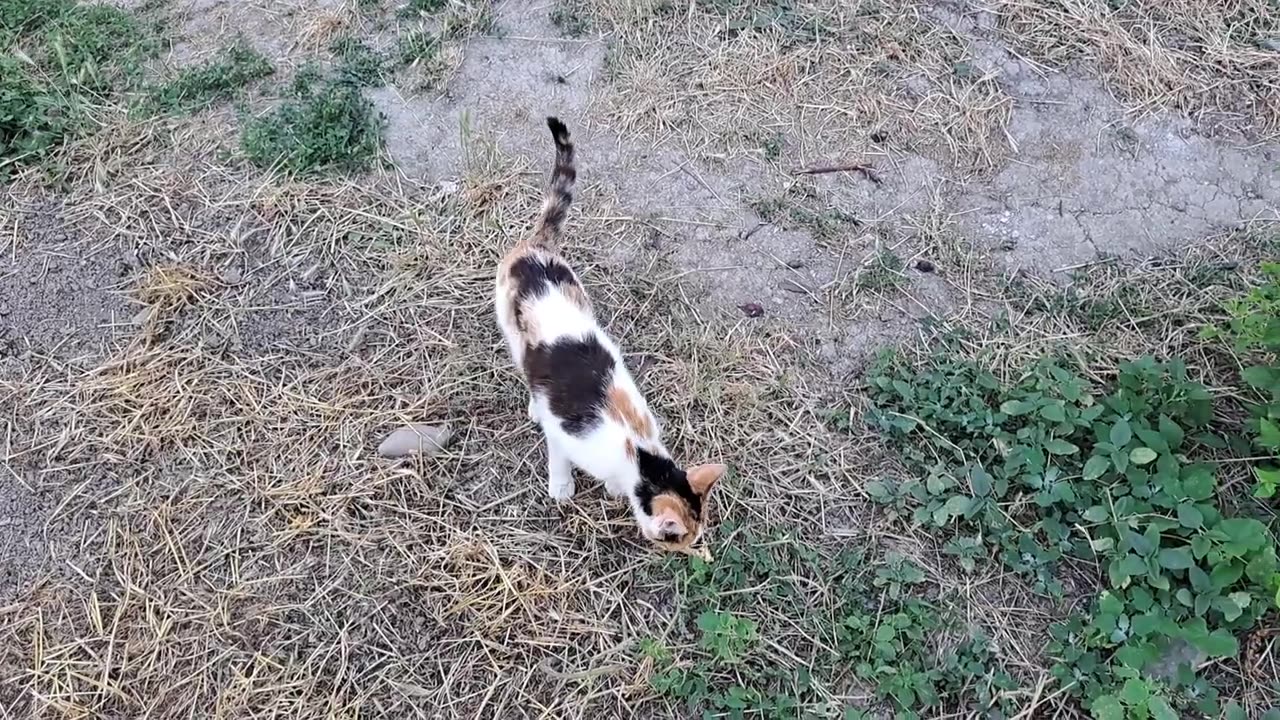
[[93, 45], [420, 47], [1253, 329], [1108, 295], [1052, 469], [65, 61], [202, 85], [772, 147], [23, 16], [796, 24], [417, 8], [882, 272], [474, 17], [799, 210], [760, 593], [359, 63], [327, 125], [571, 18], [32, 119]]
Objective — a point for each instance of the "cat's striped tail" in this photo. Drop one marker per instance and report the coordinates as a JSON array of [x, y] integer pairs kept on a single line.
[[559, 190]]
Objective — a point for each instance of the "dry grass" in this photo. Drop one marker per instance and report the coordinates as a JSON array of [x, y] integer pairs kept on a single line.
[[823, 75], [1115, 310], [240, 552], [1216, 60], [244, 553]]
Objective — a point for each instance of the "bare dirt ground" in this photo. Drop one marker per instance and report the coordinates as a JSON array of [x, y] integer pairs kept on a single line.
[[199, 357]]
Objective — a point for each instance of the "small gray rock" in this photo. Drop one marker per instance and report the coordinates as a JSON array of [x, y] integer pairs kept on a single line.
[[357, 339], [232, 276], [1178, 652], [418, 438], [144, 315]]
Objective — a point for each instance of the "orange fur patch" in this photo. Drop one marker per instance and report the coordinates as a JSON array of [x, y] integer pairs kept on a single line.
[[620, 407], [630, 449], [703, 477], [670, 505]]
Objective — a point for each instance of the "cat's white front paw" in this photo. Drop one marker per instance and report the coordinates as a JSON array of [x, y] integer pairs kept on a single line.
[[560, 488]]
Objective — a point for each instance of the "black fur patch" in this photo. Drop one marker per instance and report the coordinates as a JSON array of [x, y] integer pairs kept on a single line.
[[534, 275], [658, 475], [575, 375]]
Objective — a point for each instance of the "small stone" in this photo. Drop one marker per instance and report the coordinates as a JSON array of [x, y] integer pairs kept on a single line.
[[214, 339], [4, 309], [232, 276], [752, 310], [357, 339], [793, 286], [143, 316], [924, 266], [418, 438], [795, 264], [1178, 652]]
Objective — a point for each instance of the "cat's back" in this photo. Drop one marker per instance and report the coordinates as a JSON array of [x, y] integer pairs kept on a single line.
[[541, 296]]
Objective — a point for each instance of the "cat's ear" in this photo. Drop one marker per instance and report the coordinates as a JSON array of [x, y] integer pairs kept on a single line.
[[703, 477]]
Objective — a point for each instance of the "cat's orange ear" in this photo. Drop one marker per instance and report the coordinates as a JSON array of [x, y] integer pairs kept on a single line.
[[703, 477]]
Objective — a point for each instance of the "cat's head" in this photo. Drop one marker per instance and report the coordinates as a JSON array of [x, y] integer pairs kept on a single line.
[[673, 501]]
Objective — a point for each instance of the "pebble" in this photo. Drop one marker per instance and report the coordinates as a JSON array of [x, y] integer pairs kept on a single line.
[[4, 309], [357, 339], [214, 338], [414, 439], [143, 315], [1178, 652], [924, 266], [232, 276], [751, 310]]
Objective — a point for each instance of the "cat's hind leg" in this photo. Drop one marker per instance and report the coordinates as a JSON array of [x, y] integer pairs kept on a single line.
[[559, 472]]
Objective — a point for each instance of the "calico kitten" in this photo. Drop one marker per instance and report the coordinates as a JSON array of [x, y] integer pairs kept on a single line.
[[580, 392]]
